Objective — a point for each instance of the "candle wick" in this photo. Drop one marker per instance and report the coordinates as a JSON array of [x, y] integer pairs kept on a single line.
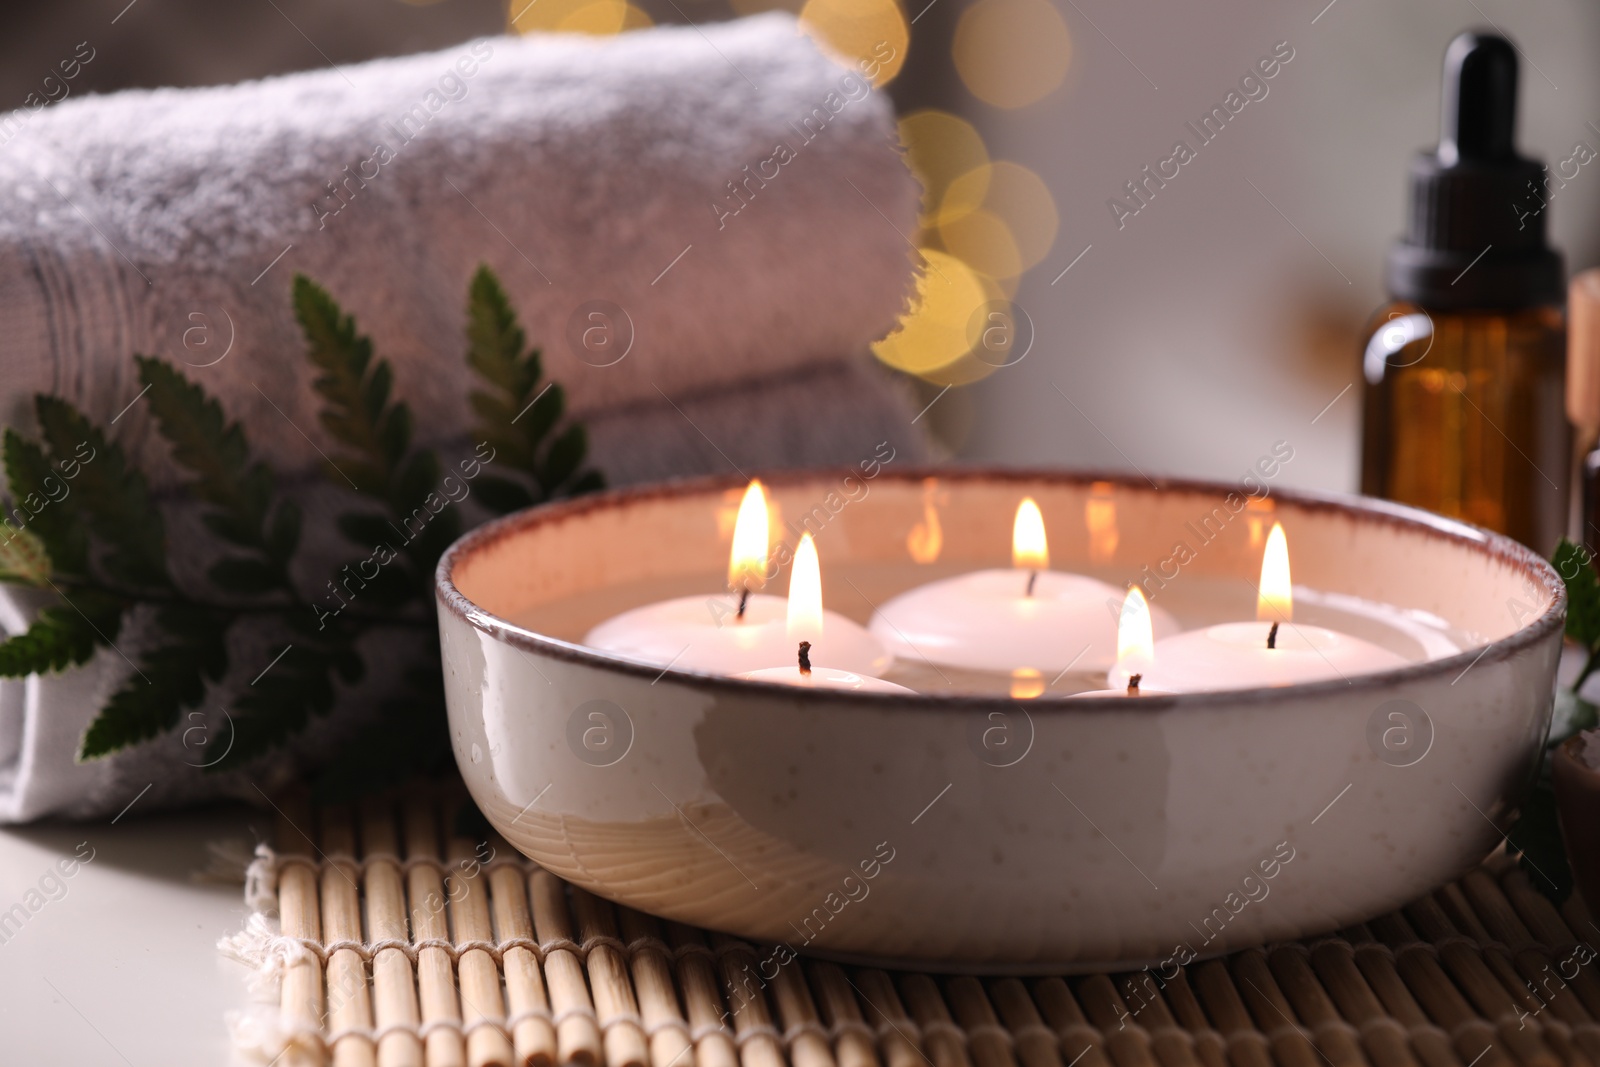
[[1272, 636], [744, 599], [805, 657], [1033, 576], [1133, 684]]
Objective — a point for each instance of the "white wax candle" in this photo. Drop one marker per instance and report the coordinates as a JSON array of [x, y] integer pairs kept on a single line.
[[1029, 617], [824, 678], [712, 634], [1135, 647], [1234, 655], [1272, 651], [986, 621], [704, 634]]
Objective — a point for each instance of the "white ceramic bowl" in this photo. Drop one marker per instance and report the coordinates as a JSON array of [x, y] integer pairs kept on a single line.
[[979, 831]]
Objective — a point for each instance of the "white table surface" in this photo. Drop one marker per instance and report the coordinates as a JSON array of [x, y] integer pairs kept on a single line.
[[123, 967]]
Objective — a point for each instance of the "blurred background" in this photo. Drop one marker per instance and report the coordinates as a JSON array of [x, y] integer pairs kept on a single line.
[[1185, 338]]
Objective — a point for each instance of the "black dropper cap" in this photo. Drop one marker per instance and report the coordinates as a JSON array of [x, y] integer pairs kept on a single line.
[[1473, 238]]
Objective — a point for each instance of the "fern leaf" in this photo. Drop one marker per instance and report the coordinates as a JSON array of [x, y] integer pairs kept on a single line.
[[112, 493], [517, 418], [24, 560], [62, 636], [494, 340], [169, 678], [564, 456], [44, 505], [212, 449], [358, 413], [502, 494]]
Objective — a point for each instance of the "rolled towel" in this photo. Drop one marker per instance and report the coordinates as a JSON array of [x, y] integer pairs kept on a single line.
[[703, 228]]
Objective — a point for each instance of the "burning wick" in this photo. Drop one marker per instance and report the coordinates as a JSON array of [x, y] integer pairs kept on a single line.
[[747, 560], [1030, 549], [1133, 684], [805, 657], [1272, 636]]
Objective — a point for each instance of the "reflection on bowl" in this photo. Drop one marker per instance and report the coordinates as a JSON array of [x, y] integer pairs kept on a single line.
[[977, 824]]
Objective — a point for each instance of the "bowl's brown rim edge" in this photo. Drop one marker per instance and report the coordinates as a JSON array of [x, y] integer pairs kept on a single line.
[[1538, 570]]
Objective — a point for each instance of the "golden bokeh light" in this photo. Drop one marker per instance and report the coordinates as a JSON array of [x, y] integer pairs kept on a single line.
[[635, 18], [940, 147], [869, 36], [965, 370], [935, 332], [984, 241], [1011, 53], [965, 192], [1018, 200], [599, 18]]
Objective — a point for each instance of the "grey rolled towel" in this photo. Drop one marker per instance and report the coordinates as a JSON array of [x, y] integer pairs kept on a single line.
[[703, 229]]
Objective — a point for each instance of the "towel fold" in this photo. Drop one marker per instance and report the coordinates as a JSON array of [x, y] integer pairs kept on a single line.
[[702, 229]]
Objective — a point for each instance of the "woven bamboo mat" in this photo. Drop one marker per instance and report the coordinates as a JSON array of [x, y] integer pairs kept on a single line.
[[400, 940]]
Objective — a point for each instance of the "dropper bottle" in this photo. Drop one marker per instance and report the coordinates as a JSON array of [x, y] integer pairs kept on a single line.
[[1464, 368]]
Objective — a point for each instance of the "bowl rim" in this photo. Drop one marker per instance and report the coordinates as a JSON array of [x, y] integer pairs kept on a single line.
[[1536, 568]]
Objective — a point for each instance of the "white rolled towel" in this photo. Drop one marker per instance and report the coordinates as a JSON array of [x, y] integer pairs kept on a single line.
[[729, 201]]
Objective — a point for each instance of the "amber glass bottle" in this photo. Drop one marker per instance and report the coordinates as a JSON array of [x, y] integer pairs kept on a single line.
[[1464, 369]]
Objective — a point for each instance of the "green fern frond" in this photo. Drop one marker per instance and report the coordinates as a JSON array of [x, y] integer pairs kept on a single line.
[[516, 417], [168, 679], [42, 505], [113, 494], [62, 636]]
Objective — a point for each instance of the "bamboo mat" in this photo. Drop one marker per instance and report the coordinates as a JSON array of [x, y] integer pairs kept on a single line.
[[402, 939]]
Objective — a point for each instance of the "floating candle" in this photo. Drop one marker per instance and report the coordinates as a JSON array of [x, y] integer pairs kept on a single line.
[[1135, 650], [807, 627], [1272, 651], [1029, 617], [733, 634]]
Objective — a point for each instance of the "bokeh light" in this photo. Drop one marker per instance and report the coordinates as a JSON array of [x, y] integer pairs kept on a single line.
[[934, 332], [1014, 198], [596, 17], [870, 36], [984, 241], [940, 147], [1011, 53]]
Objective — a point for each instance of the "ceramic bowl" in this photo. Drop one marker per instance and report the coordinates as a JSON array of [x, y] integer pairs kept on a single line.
[[975, 828]]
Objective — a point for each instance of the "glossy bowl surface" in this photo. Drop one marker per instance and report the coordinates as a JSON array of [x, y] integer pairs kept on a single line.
[[972, 830]]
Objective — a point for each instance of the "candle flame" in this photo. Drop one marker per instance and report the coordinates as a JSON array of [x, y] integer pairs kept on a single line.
[[1136, 638], [805, 593], [1029, 549], [1276, 602], [747, 563]]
